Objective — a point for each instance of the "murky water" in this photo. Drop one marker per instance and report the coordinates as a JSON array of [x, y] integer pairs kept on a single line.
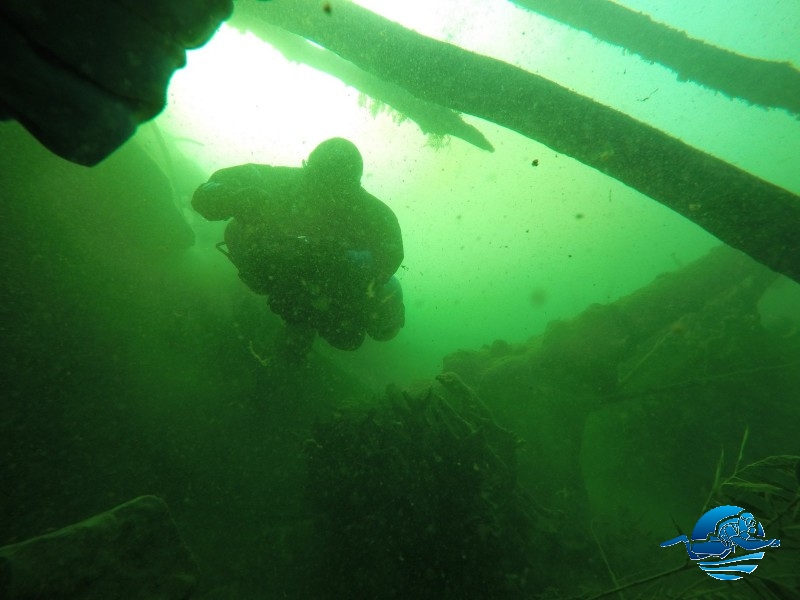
[[584, 365]]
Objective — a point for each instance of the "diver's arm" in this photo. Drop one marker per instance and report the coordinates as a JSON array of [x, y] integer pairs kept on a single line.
[[379, 235], [232, 192], [389, 251], [751, 543]]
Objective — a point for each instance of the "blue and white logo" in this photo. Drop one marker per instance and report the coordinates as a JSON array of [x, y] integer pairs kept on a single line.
[[717, 535]]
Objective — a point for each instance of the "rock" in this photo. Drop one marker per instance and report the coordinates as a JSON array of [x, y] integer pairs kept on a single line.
[[133, 551]]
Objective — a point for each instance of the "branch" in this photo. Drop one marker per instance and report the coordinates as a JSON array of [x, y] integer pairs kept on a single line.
[[763, 82], [743, 211]]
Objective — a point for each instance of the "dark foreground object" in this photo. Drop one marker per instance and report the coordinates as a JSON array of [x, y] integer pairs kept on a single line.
[[82, 75], [132, 551]]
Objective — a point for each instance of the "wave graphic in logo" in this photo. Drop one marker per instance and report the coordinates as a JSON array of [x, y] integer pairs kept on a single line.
[[728, 570]]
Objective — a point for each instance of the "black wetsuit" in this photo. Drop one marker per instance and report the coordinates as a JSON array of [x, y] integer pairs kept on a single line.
[[322, 255]]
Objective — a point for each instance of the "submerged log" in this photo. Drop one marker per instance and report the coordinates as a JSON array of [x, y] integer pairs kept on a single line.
[[763, 82], [692, 335], [742, 210], [133, 551], [432, 119]]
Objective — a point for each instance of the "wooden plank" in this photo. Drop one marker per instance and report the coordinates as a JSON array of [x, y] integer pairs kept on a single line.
[[133, 551]]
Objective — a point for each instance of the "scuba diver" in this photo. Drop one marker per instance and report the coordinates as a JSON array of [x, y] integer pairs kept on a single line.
[[316, 243]]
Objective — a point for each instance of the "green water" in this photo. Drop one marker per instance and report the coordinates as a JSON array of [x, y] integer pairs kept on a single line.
[[615, 384]]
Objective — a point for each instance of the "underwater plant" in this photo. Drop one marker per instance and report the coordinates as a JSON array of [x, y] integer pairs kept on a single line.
[[770, 488], [417, 497]]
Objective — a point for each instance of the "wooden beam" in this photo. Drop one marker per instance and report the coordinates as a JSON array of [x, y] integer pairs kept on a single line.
[[740, 209], [432, 119], [763, 82]]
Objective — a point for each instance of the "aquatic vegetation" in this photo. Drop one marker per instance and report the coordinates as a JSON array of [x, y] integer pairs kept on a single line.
[[377, 107], [770, 487], [437, 141], [418, 498]]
